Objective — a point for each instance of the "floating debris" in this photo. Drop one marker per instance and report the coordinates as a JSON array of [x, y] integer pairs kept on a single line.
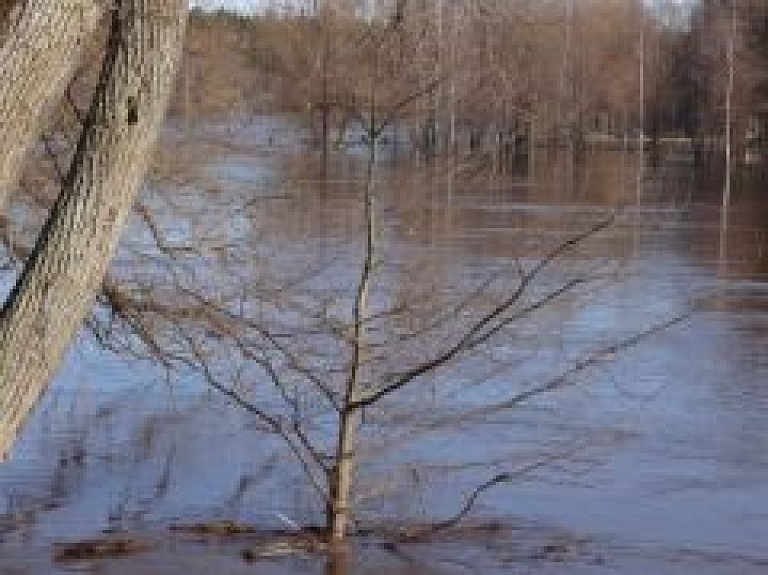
[[91, 549], [282, 546], [219, 528]]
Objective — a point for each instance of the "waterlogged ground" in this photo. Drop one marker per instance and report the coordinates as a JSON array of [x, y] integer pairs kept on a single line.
[[655, 461]]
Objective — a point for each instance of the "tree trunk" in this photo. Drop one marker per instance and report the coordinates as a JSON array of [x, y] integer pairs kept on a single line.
[[342, 475], [340, 493], [36, 61], [726, 203], [54, 292]]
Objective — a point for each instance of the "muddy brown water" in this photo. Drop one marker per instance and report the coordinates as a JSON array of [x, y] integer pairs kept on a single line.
[[654, 460]]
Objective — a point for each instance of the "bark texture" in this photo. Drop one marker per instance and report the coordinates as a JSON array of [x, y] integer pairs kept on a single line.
[[54, 292], [37, 58]]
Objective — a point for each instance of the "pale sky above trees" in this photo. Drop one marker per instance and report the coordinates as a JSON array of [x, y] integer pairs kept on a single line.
[[239, 4], [250, 5]]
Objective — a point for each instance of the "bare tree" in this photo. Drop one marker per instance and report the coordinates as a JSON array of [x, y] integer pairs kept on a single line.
[[319, 367], [353, 351], [728, 176]]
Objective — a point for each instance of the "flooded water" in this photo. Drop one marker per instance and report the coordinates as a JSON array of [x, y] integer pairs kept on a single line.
[[654, 458]]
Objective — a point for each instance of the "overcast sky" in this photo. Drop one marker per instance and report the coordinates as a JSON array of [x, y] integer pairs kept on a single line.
[[245, 5]]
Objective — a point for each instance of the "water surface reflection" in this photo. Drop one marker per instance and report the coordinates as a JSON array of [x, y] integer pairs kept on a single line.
[[661, 450]]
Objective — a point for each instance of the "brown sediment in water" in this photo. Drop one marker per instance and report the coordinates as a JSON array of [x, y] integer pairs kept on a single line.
[[101, 548], [261, 543], [217, 528], [303, 542]]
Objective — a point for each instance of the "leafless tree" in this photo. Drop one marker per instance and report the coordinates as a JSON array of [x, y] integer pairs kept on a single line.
[[322, 368], [317, 370]]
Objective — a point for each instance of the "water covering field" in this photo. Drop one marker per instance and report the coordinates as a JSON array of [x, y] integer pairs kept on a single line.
[[654, 459]]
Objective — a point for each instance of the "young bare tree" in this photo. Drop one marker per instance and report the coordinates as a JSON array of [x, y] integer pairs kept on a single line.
[[333, 362], [325, 368]]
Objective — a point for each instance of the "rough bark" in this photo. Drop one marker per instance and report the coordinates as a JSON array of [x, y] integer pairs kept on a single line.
[[54, 292], [7, 9], [37, 59]]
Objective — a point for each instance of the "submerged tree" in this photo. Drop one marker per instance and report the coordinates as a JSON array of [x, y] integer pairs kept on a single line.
[[328, 354], [322, 368]]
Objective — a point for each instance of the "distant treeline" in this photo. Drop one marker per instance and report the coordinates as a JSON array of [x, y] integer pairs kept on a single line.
[[612, 67], [564, 68]]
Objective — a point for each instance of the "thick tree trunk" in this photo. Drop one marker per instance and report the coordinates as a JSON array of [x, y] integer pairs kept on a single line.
[[37, 59], [45, 310]]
